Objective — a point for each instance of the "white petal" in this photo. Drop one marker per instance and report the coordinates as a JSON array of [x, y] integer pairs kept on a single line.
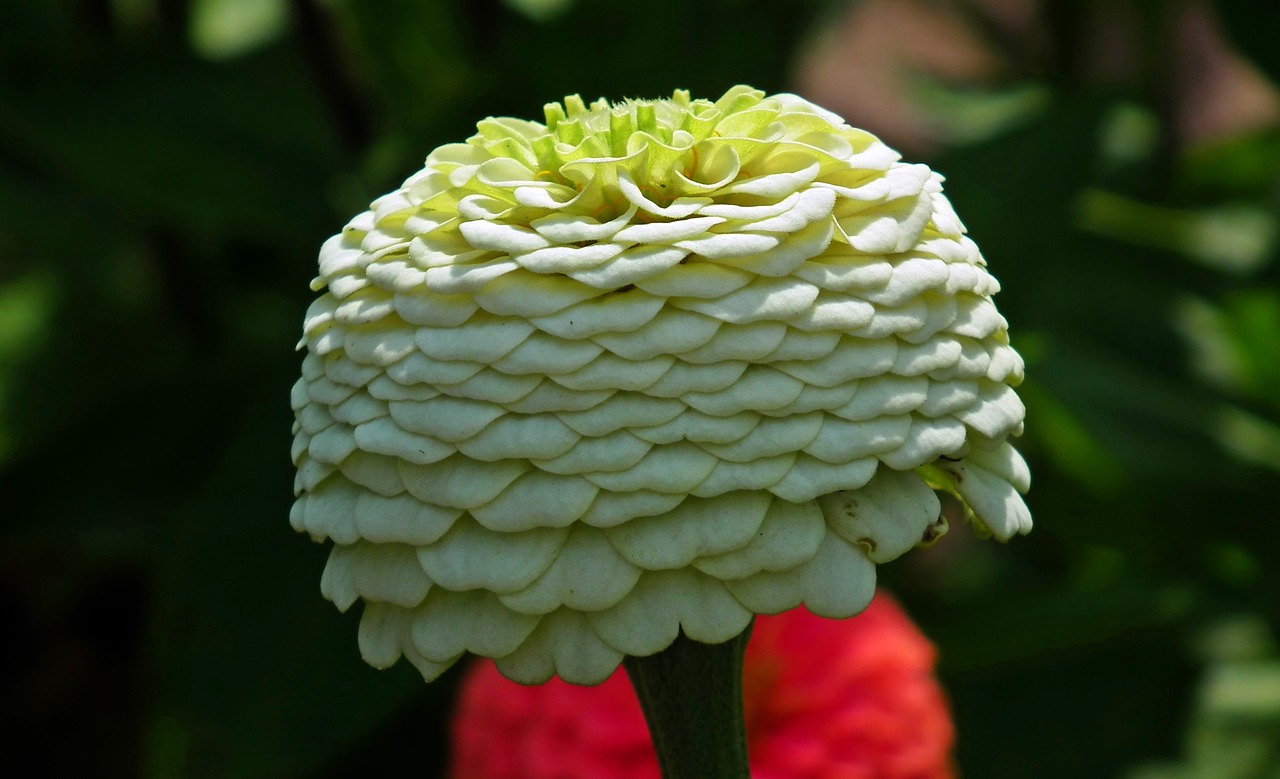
[[521, 436], [377, 345], [884, 396], [632, 265], [834, 313], [427, 308], [994, 500], [550, 396], [670, 331], [384, 436], [626, 410], [568, 259], [774, 185], [572, 228], [418, 369], [388, 573], [450, 623], [610, 372], [340, 254], [471, 557], [997, 412], [537, 499], [811, 206], [852, 358], [887, 517], [976, 317], [840, 272], [403, 519], [696, 528], [668, 232], [755, 475], [927, 358], [682, 378], [662, 603], [679, 209], [749, 342], [699, 280], [617, 313], [771, 437], [700, 428], [838, 582], [611, 509], [531, 295], [760, 389], [788, 537], [588, 575], [384, 629], [841, 440], [803, 345], [337, 583], [947, 397], [332, 445], [772, 299], [1007, 463], [482, 339], [445, 418], [491, 386], [454, 279], [676, 469], [459, 482], [730, 246], [374, 471], [789, 253], [498, 237], [563, 645], [810, 478]]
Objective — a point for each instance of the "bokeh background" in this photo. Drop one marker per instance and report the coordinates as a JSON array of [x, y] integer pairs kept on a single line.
[[169, 168]]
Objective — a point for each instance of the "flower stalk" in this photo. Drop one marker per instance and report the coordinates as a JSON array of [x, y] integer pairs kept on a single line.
[[691, 694]]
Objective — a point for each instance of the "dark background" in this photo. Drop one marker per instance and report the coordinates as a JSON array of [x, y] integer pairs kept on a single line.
[[169, 168]]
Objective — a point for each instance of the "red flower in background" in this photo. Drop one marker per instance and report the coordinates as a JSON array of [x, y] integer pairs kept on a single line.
[[825, 699]]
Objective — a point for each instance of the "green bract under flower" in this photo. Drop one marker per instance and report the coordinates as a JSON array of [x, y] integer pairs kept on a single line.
[[647, 367]]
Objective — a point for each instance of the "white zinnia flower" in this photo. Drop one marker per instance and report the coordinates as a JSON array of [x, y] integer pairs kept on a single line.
[[652, 366]]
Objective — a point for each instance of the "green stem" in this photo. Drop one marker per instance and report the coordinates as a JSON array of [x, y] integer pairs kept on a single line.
[[691, 694]]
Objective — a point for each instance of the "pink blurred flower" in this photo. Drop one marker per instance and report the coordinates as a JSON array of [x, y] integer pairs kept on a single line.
[[825, 699]]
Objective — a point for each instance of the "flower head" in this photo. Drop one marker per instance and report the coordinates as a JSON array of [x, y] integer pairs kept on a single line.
[[824, 699], [648, 367]]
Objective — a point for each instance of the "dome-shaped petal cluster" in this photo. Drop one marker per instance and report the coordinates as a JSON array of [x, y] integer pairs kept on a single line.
[[652, 366], [825, 699]]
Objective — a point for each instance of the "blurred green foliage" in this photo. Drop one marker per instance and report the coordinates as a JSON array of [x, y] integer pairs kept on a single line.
[[168, 169]]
